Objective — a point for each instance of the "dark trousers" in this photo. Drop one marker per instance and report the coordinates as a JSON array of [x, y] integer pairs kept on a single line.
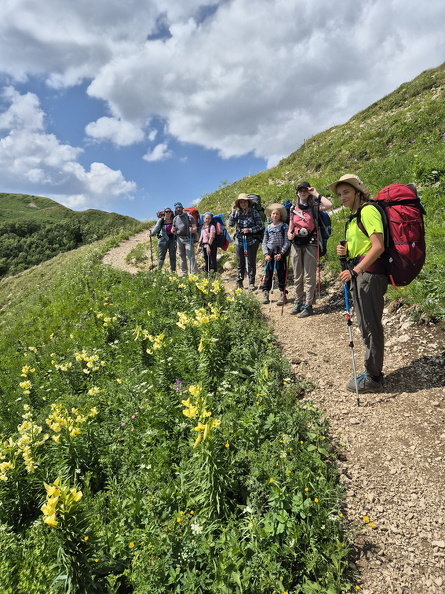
[[280, 270], [210, 259], [250, 258], [368, 291]]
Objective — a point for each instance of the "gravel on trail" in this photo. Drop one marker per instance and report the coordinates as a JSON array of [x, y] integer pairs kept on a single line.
[[391, 446]]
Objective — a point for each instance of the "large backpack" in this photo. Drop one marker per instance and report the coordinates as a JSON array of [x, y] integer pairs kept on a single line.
[[256, 199], [404, 231], [194, 212], [222, 238], [325, 228], [304, 224]]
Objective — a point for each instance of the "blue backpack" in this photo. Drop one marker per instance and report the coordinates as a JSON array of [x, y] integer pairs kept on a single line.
[[325, 227]]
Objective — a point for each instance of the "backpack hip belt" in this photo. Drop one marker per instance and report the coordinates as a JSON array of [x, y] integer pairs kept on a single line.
[[377, 267]]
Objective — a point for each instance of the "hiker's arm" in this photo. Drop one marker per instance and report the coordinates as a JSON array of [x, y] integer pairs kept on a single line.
[[290, 231], [232, 218], [258, 223], [156, 228], [325, 203]]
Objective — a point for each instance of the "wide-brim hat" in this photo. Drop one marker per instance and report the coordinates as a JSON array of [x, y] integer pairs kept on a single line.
[[276, 206], [352, 180], [242, 197]]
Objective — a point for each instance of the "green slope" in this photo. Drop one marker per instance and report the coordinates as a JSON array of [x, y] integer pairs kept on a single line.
[[399, 139]]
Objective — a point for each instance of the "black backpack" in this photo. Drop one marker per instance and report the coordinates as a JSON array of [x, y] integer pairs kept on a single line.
[[256, 199]]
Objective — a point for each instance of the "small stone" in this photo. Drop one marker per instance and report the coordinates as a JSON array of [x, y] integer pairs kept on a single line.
[[439, 543]]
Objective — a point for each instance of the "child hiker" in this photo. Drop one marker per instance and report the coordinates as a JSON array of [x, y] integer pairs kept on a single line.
[[207, 243], [275, 247]]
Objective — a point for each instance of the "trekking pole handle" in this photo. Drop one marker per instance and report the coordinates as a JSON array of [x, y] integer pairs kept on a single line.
[[343, 260]]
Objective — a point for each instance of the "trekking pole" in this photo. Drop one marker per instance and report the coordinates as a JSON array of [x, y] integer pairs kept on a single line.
[[151, 253], [273, 280], [286, 277], [191, 250], [246, 260], [344, 266], [263, 276]]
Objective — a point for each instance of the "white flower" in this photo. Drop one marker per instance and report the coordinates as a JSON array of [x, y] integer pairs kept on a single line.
[[196, 528]]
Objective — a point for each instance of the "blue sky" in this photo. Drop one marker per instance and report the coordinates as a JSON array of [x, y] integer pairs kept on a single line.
[[130, 106]]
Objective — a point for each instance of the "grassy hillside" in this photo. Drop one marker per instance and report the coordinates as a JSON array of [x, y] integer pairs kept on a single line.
[[34, 229], [155, 445], [399, 139]]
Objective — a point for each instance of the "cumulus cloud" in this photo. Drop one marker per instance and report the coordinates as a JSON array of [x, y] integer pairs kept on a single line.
[[226, 75], [159, 153], [38, 162], [115, 130]]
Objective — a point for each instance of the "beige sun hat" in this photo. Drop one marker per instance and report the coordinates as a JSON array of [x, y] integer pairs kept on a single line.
[[352, 180], [242, 197], [276, 206]]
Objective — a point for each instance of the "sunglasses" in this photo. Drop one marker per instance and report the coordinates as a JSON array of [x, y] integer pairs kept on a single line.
[[168, 211]]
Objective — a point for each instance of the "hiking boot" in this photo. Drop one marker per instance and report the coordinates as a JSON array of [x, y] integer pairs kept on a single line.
[[296, 308], [281, 299], [239, 284], [365, 384], [306, 311], [266, 297]]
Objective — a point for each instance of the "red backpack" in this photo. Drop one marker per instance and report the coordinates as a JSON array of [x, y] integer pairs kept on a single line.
[[402, 215], [304, 224], [194, 212]]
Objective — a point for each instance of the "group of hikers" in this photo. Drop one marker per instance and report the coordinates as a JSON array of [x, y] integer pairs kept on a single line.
[[297, 235]]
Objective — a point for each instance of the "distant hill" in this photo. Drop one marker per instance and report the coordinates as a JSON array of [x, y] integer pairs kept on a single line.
[[34, 229]]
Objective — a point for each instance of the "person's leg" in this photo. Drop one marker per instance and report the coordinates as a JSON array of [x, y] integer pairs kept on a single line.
[[190, 255], [251, 258], [182, 250], [310, 269], [162, 250], [281, 273], [213, 261], [241, 267], [172, 252], [369, 290], [297, 266]]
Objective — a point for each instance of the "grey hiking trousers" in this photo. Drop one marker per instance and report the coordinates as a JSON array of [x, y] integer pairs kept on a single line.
[[368, 291]]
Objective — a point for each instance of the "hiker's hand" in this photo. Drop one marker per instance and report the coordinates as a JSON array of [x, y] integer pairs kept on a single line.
[[268, 258], [277, 257], [290, 235], [345, 276], [341, 250], [245, 231], [314, 192], [149, 234], [208, 249]]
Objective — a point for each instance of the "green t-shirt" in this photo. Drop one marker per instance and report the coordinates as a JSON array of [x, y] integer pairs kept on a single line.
[[358, 243]]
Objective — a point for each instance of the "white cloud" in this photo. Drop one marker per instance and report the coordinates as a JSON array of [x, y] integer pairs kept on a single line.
[[115, 130], [38, 162], [159, 153], [234, 76]]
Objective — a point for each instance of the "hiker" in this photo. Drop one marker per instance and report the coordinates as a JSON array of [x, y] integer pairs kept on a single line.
[[249, 232], [207, 243], [303, 234], [369, 283], [166, 239], [275, 247], [183, 227]]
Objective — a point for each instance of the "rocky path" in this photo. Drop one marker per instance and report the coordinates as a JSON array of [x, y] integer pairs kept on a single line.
[[392, 445]]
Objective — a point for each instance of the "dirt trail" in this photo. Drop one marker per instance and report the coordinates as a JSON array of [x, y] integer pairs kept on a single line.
[[392, 461]]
